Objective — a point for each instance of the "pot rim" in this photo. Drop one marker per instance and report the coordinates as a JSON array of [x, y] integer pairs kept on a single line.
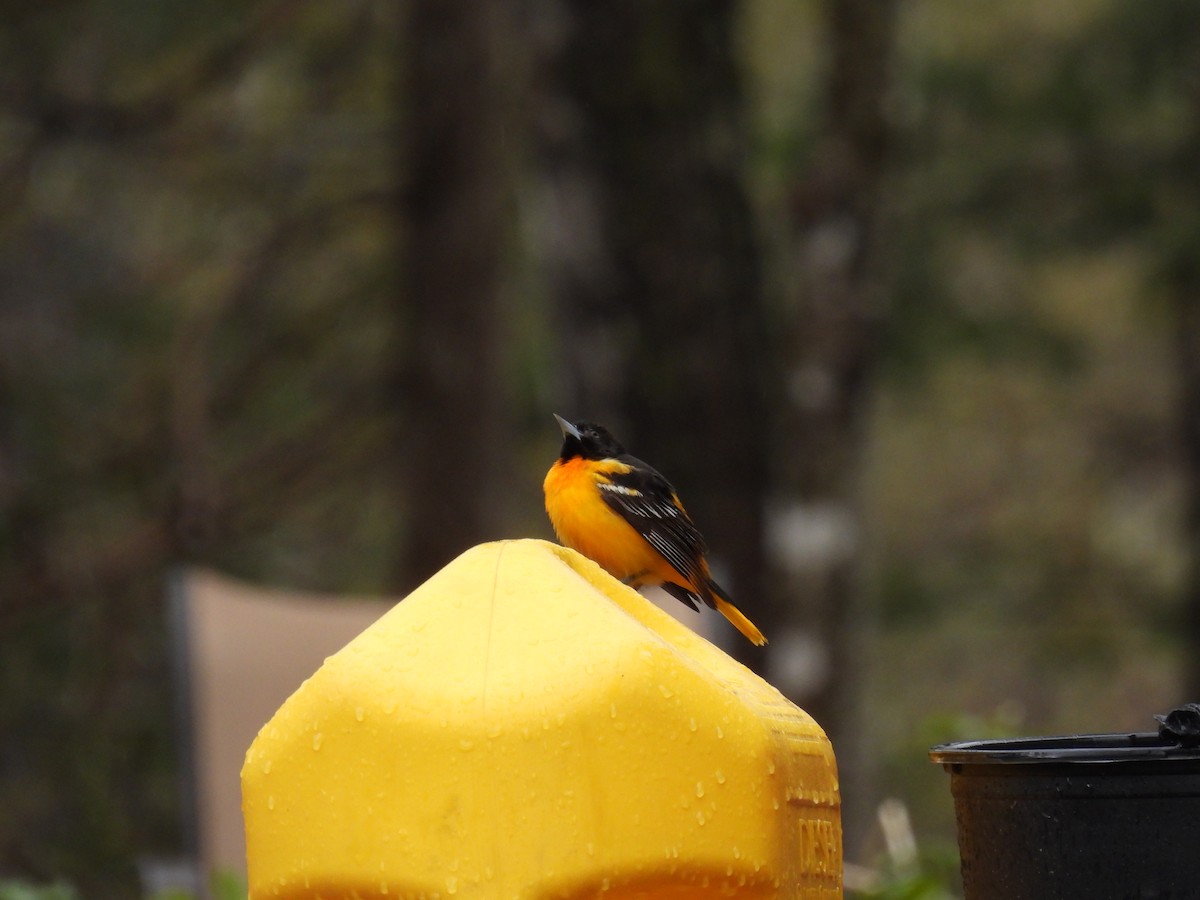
[[1073, 748]]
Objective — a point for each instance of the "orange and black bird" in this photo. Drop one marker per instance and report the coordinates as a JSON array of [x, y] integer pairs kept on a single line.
[[620, 512]]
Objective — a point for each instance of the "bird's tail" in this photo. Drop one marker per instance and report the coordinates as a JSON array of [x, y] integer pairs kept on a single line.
[[740, 622], [734, 615]]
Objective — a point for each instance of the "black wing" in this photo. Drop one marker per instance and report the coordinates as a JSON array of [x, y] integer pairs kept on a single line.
[[647, 501]]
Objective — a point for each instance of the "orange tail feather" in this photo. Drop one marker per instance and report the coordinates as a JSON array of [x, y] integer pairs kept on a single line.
[[740, 622]]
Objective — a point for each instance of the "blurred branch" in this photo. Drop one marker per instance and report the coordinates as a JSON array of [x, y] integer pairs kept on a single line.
[[282, 473], [56, 115], [257, 268], [204, 400], [52, 115]]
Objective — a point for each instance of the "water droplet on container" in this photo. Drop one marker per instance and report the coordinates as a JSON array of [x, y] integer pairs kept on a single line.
[[770, 767], [700, 819], [270, 801], [266, 767], [692, 725], [359, 713], [720, 733], [699, 789], [465, 744], [317, 738], [720, 776], [666, 691]]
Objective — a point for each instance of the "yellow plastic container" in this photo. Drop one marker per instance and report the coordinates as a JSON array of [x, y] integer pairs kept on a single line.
[[525, 726]]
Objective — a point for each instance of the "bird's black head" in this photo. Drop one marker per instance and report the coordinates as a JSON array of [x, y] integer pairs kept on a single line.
[[588, 440]]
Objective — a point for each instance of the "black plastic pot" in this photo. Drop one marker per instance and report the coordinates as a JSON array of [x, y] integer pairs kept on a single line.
[[1086, 816]]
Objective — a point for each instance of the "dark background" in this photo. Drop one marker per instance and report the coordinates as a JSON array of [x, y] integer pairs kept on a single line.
[[903, 296]]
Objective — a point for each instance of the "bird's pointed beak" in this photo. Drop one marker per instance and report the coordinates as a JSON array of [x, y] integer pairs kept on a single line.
[[568, 429]]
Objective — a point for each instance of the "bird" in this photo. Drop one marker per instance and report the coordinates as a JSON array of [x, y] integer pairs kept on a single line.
[[621, 513]]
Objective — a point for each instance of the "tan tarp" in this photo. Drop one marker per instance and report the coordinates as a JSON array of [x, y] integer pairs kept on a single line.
[[247, 648]]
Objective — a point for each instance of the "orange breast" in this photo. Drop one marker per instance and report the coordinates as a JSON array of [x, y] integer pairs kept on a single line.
[[584, 522]]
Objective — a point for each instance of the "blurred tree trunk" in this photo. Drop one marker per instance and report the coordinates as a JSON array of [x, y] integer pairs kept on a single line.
[[449, 383], [655, 266], [820, 615], [1187, 309], [1185, 277]]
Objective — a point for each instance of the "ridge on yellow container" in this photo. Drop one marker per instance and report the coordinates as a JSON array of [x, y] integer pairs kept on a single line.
[[525, 726]]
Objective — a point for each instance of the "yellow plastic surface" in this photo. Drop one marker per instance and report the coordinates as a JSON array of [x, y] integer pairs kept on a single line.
[[525, 726]]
